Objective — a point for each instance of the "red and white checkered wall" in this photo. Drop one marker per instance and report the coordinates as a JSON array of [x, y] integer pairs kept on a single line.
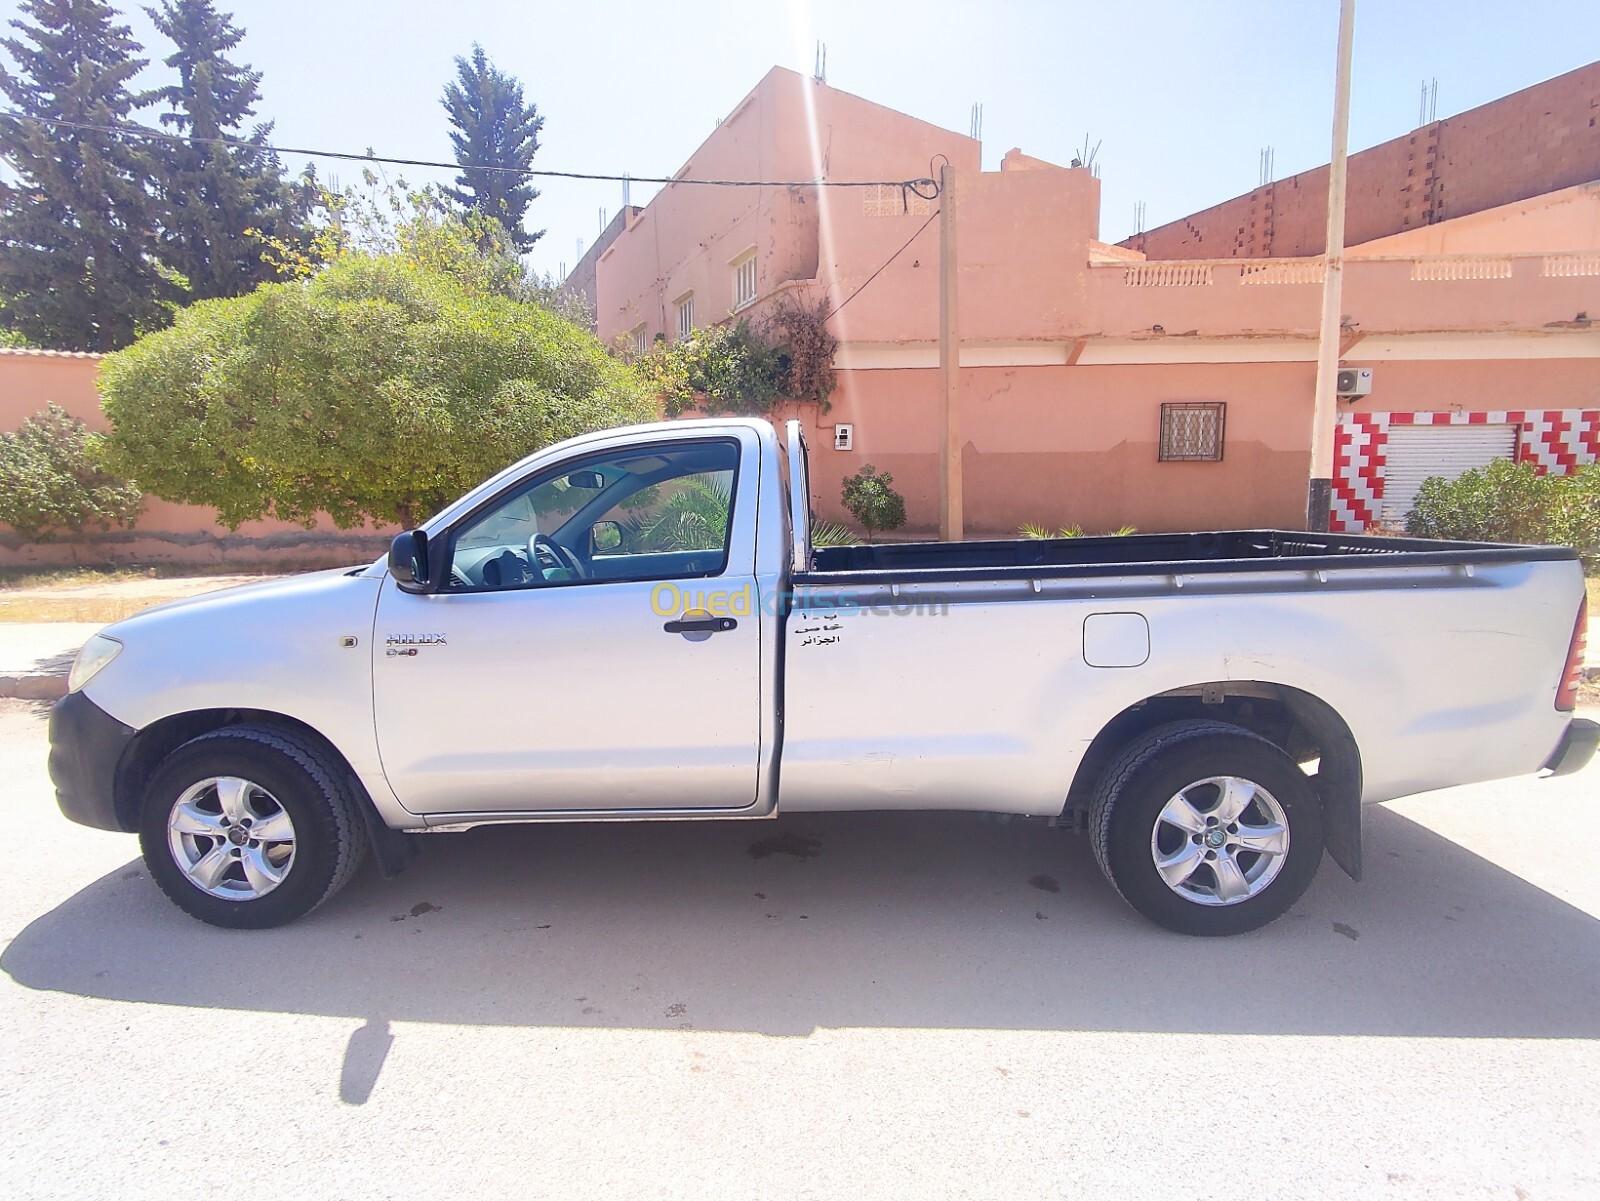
[[1554, 440]]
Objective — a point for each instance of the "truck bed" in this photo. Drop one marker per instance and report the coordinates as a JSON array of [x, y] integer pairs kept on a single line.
[[1153, 554]]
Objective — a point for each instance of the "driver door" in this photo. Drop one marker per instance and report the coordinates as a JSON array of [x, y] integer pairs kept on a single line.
[[554, 672]]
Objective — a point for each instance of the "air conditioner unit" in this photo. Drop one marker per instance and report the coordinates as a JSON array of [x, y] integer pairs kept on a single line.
[[1354, 381], [843, 436]]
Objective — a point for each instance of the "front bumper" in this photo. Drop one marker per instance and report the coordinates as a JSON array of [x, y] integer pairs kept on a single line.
[[1576, 748], [86, 744]]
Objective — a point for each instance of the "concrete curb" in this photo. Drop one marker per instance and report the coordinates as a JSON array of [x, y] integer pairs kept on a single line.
[[33, 687], [36, 657]]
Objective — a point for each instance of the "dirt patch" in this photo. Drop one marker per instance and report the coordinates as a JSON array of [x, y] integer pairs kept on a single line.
[[85, 596]]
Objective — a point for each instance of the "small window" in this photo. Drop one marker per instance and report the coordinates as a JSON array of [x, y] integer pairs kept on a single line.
[[744, 280], [1192, 432], [685, 314], [639, 338], [893, 200]]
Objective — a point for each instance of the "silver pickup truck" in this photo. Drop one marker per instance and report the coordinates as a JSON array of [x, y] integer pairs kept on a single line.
[[635, 625]]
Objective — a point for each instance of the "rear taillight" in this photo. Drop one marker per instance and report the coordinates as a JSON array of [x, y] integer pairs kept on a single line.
[[1567, 693]]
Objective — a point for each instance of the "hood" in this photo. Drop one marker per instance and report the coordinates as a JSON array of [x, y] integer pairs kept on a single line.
[[243, 598], [276, 646]]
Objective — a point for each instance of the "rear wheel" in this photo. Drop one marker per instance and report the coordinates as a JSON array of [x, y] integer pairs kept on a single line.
[[248, 827], [1206, 828]]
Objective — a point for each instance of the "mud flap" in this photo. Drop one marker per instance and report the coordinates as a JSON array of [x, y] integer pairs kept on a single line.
[[1341, 828]]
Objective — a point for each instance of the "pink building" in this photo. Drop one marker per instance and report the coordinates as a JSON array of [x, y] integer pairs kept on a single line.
[[1102, 388]]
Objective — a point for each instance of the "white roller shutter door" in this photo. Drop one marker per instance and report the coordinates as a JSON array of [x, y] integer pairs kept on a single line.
[[1414, 452]]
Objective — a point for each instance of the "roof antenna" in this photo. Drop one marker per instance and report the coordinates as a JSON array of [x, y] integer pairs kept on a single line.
[[820, 72], [976, 126]]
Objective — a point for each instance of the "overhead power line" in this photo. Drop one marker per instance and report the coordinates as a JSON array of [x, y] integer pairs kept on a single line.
[[928, 189]]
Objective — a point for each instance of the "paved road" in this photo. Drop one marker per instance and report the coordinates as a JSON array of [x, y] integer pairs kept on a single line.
[[856, 1006]]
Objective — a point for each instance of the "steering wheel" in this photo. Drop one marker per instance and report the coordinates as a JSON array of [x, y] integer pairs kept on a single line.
[[544, 552]]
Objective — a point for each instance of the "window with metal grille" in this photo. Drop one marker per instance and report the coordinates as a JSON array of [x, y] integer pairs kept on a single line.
[[744, 280], [641, 338], [1191, 432], [892, 200], [685, 314]]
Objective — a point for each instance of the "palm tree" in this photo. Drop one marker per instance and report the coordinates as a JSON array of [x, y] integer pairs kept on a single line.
[[694, 516]]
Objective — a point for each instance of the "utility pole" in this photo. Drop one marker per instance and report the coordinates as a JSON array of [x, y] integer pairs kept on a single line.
[[950, 521], [1319, 493]]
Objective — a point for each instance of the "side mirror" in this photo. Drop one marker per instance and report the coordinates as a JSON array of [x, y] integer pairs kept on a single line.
[[604, 536], [408, 561], [592, 480]]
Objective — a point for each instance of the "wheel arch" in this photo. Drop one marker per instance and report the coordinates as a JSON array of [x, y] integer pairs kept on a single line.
[[152, 744], [1300, 724]]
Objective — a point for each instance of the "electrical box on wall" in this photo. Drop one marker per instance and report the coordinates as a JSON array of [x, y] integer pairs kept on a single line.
[[1354, 381], [844, 437]]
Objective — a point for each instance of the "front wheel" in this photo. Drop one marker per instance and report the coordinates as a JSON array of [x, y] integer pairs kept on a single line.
[[247, 827], [1206, 828]]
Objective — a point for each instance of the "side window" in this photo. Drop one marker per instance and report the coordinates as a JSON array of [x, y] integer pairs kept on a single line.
[[649, 513]]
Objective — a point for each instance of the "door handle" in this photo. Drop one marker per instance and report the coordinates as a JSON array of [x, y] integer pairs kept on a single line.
[[700, 625]]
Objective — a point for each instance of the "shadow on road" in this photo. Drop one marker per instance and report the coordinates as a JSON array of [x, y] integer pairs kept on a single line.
[[932, 920]]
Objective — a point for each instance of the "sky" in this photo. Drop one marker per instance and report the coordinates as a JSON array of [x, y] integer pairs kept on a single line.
[[1180, 97]]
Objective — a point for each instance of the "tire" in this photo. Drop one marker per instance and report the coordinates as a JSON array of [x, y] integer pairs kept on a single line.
[[1135, 819], [292, 793]]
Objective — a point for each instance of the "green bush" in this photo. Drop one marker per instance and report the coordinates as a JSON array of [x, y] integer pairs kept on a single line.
[[379, 388], [869, 494], [1033, 530], [727, 368], [1512, 502], [51, 481], [737, 367], [1574, 516], [832, 533]]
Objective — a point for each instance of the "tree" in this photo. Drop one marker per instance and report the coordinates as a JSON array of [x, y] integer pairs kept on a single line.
[[1511, 502], [870, 496], [51, 481], [80, 267], [1575, 513], [378, 389], [218, 201], [496, 135], [1502, 501]]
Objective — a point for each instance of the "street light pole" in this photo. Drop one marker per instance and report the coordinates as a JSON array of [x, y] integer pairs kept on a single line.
[[1319, 493], [950, 506]]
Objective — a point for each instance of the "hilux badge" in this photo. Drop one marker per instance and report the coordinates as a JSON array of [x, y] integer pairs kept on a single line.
[[407, 644]]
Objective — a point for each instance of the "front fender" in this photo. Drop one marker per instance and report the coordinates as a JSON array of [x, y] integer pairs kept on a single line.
[[297, 647]]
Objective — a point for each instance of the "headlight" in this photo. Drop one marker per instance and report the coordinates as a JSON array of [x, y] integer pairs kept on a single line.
[[96, 653]]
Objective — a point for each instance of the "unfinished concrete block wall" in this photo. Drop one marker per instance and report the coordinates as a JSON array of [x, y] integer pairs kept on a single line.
[[1534, 141]]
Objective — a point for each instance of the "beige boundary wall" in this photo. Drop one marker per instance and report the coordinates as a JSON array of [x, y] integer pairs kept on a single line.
[[165, 532]]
